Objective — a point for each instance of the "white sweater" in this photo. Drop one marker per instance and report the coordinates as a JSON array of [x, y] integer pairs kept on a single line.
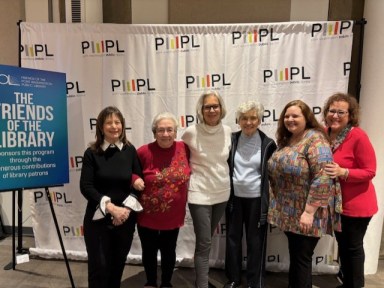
[[210, 146]]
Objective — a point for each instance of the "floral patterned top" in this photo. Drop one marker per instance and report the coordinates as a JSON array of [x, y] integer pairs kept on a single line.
[[166, 173], [297, 177]]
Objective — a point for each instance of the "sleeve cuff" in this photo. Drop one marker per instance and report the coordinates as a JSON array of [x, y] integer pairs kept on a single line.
[[100, 209], [132, 203], [134, 178]]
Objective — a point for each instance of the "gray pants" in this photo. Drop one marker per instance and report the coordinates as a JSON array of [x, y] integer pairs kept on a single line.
[[205, 219]]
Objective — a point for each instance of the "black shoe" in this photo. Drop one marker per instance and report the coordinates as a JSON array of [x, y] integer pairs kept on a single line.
[[210, 285], [231, 284]]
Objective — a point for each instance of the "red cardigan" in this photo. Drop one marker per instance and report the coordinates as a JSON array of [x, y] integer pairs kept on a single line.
[[356, 153], [166, 175]]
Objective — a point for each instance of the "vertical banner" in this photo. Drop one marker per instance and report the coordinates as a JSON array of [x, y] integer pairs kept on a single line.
[[33, 128], [148, 69]]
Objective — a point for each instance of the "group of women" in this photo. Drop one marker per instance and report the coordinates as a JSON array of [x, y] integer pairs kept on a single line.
[[315, 181]]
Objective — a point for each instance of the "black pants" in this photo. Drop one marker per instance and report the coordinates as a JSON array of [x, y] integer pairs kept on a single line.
[[107, 248], [151, 242], [301, 250], [351, 249], [245, 212]]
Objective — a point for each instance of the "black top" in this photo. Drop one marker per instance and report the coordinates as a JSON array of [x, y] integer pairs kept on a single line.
[[109, 174]]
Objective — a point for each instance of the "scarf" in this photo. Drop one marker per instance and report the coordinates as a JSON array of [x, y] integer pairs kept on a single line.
[[340, 137]]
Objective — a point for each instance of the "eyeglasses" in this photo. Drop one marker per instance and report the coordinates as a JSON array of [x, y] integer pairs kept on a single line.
[[340, 113], [208, 108], [163, 130]]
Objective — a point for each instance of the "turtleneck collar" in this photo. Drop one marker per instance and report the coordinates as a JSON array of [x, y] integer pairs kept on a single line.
[[211, 129]]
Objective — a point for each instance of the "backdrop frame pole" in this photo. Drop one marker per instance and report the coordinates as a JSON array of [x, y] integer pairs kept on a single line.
[[362, 24]]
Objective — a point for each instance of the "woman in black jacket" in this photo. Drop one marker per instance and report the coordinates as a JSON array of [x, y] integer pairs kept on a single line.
[[249, 199], [110, 165]]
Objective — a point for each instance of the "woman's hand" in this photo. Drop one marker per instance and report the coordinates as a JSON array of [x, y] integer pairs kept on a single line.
[[139, 184], [119, 214], [334, 170], [306, 219]]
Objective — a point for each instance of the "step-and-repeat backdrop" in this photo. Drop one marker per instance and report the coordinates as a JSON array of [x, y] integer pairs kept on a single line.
[[147, 69]]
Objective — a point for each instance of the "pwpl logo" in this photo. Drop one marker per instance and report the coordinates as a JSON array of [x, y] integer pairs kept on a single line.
[[180, 42], [102, 48], [206, 81], [36, 52], [76, 162], [273, 258], [346, 68], [187, 120], [93, 124], [73, 231], [131, 86], [331, 29], [326, 259], [256, 36], [74, 89], [221, 229], [58, 198], [272, 115], [285, 75]]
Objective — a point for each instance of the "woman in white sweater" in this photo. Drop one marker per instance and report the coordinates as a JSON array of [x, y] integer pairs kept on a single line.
[[209, 142]]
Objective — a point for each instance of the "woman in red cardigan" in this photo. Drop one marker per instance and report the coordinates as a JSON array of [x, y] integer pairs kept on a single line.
[[166, 174], [355, 166]]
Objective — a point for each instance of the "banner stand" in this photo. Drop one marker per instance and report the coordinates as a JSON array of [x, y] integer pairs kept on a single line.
[[59, 235], [20, 250]]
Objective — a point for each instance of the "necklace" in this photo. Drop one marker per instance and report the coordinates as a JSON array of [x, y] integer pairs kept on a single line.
[[246, 148]]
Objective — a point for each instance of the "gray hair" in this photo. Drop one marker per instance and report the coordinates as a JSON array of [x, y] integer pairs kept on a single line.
[[248, 106], [200, 103], [162, 116]]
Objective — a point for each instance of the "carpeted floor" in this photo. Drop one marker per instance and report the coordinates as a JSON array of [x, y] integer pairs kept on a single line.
[[54, 273]]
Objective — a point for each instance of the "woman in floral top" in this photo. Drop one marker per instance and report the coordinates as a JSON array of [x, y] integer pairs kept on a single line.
[[166, 173], [302, 193]]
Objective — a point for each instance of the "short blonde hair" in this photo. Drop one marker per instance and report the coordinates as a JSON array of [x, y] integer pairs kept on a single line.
[[200, 104]]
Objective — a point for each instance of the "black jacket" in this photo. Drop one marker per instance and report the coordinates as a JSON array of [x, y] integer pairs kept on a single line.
[[268, 146]]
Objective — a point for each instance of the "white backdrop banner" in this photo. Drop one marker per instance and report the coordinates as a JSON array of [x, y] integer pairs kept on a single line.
[[147, 69]]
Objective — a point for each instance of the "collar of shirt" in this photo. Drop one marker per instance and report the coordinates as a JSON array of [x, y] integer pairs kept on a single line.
[[106, 145]]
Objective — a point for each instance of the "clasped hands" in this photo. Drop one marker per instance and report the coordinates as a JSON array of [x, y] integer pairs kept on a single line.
[[119, 214]]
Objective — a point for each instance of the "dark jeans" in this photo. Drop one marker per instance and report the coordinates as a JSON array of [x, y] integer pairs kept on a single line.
[[245, 212], [301, 250], [151, 242], [351, 249]]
